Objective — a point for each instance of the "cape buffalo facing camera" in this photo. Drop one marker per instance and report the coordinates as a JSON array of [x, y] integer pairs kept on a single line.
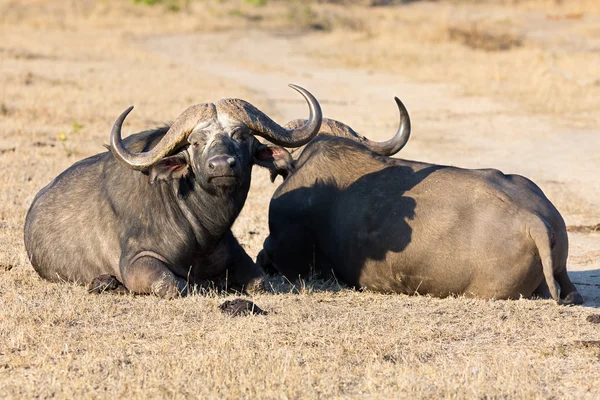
[[393, 225], [156, 211]]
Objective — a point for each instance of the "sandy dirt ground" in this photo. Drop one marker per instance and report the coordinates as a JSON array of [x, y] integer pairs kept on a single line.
[[67, 71]]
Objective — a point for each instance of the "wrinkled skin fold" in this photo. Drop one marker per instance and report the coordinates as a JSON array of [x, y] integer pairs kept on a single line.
[[155, 212], [393, 225]]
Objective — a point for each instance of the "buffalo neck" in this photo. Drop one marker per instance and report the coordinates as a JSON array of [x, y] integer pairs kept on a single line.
[[209, 214]]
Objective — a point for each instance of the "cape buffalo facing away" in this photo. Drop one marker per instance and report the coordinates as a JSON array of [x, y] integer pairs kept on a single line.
[[156, 211], [393, 225]]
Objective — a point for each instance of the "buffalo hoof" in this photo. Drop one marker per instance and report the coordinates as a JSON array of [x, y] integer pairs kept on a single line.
[[256, 286], [169, 288], [593, 318], [107, 283], [572, 299], [241, 307]]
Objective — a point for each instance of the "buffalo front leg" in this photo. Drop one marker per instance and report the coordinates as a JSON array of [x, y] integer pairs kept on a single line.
[[242, 273], [107, 284], [247, 275], [147, 273]]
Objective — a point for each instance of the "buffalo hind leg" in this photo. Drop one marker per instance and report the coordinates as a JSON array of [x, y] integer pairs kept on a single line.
[[569, 293], [149, 275], [291, 255], [263, 260], [542, 291]]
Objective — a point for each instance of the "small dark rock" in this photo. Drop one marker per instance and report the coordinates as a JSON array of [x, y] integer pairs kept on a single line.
[[107, 283], [6, 267], [593, 318], [390, 358], [9, 150], [240, 307], [42, 144], [587, 343]]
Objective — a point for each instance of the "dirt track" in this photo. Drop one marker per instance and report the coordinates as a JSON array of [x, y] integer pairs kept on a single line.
[[316, 341]]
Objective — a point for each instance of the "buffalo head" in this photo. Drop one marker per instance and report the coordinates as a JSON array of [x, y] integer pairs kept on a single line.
[[216, 143]]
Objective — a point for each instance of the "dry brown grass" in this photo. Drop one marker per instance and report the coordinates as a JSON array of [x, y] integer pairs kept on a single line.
[[59, 341], [84, 62]]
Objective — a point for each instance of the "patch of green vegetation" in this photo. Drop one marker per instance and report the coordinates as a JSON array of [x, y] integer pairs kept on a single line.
[[304, 15], [171, 5], [235, 12], [148, 2], [257, 3], [65, 137]]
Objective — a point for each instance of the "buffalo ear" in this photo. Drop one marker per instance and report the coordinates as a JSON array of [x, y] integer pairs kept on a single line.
[[168, 168], [277, 159]]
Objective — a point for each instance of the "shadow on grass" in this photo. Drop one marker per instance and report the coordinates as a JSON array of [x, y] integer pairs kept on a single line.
[[588, 284], [279, 284]]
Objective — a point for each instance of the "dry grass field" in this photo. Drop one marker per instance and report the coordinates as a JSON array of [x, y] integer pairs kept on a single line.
[[508, 84]]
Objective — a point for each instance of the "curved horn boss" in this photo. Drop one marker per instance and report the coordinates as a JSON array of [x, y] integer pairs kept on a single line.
[[236, 109], [387, 148], [175, 137], [264, 126]]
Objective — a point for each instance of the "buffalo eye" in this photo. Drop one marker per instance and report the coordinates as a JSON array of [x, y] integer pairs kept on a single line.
[[195, 144], [239, 135]]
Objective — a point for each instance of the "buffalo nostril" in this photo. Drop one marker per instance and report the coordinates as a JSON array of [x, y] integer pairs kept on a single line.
[[221, 163]]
